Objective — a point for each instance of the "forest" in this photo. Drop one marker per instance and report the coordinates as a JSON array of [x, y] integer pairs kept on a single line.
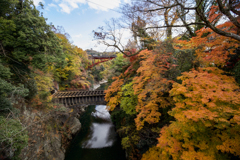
[[178, 98], [34, 57], [173, 88]]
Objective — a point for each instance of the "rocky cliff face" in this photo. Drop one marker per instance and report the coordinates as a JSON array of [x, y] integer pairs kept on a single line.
[[50, 132]]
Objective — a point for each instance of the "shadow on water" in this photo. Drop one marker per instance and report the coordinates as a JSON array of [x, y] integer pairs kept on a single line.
[[97, 139]]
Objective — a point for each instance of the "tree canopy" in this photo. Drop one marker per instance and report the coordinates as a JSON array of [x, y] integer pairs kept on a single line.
[[180, 98]]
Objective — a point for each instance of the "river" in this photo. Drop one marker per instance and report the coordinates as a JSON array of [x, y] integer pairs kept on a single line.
[[97, 139]]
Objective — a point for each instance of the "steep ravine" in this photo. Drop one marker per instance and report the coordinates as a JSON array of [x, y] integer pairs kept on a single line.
[[97, 138], [49, 131]]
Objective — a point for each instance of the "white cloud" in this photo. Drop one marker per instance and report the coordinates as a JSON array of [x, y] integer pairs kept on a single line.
[[78, 35], [105, 5], [65, 8], [68, 5], [52, 5], [127, 1], [36, 2]]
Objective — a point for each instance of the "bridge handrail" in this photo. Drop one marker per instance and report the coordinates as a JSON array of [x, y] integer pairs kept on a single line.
[[65, 94]]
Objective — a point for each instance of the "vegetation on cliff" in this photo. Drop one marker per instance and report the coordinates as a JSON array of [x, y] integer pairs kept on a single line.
[[33, 57]]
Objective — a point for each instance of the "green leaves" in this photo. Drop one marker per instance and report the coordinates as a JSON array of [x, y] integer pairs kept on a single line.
[[7, 89], [27, 38], [12, 135], [129, 99]]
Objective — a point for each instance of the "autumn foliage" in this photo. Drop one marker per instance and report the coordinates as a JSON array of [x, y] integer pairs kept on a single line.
[[114, 89], [150, 86], [204, 101], [211, 48], [207, 116]]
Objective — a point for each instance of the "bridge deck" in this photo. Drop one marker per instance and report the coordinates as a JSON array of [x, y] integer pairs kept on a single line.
[[65, 94]]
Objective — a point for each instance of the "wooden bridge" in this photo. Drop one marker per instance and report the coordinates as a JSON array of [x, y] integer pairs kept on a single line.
[[71, 98], [99, 59]]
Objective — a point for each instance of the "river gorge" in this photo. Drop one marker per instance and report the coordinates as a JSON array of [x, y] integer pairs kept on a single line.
[[97, 138]]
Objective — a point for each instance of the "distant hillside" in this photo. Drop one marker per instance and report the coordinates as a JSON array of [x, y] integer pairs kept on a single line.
[[93, 52]]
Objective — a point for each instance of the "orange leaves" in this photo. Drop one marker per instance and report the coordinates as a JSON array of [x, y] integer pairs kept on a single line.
[[150, 85], [207, 116], [211, 48], [113, 93], [131, 52], [204, 94], [36, 101], [214, 14]]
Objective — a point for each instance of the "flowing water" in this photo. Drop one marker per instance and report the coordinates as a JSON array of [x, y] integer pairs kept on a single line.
[[97, 139]]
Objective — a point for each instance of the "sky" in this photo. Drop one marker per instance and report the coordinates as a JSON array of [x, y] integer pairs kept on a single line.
[[80, 17]]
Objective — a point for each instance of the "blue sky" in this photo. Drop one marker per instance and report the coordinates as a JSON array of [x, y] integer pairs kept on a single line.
[[80, 17]]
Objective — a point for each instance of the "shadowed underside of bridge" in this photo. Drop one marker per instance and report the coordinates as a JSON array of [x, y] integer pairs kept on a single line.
[[72, 98]]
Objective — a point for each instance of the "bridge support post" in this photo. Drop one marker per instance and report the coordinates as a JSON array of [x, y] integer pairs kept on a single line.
[[72, 101]]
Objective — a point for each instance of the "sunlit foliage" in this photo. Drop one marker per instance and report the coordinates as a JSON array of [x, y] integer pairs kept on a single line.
[[210, 47], [129, 99], [207, 117], [150, 85], [71, 73], [113, 94]]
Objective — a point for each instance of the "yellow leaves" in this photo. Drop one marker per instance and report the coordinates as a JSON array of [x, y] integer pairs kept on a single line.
[[72, 71], [155, 153], [193, 155], [236, 119], [44, 83], [113, 102], [125, 143], [181, 90], [230, 144]]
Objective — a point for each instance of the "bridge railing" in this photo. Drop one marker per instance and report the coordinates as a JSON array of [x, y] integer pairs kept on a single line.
[[70, 98]]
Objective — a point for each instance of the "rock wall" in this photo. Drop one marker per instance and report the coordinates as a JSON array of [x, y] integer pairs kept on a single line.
[[50, 132]]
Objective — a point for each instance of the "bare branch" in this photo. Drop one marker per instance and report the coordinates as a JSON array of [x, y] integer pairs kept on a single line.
[[189, 24], [232, 8], [215, 29], [228, 14]]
